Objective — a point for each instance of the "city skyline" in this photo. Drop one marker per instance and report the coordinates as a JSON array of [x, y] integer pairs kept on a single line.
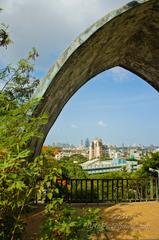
[[83, 144]]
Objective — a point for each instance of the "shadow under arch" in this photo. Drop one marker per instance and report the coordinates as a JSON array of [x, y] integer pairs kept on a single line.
[[127, 37]]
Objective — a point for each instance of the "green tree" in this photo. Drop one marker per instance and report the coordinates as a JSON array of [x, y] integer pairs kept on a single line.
[[151, 160], [4, 35], [21, 177], [18, 175], [71, 167], [19, 80]]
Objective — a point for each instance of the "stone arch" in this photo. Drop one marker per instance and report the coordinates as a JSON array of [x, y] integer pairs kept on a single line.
[[127, 37]]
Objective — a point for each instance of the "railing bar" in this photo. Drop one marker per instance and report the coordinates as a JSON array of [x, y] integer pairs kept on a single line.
[[60, 183], [91, 190], [122, 186], [98, 190], [112, 190], [117, 185], [86, 191], [71, 189], [127, 186], [107, 190], [66, 191], [81, 191], [146, 189], [141, 192], [102, 190], [76, 195]]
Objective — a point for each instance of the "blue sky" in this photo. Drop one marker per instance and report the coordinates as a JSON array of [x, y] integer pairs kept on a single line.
[[116, 105]]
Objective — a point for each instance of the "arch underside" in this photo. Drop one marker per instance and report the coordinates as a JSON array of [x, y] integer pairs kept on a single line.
[[130, 40]]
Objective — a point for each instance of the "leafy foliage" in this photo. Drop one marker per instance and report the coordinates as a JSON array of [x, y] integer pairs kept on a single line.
[[22, 177], [149, 161], [16, 124], [65, 223], [71, 166], [19, 80], [18, 175], [111, 175], [52, 151], [4, 35], [48, 153]]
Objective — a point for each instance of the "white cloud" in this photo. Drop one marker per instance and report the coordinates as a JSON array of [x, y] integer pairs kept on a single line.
[[101, 123], [48, 25], [120, 75], [74, 126]]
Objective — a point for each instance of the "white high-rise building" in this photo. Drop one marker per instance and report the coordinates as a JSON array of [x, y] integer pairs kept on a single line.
[[96, 149]]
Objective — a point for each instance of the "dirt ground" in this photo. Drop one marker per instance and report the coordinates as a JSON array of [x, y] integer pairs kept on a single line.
[[137, 221], [33, 223]]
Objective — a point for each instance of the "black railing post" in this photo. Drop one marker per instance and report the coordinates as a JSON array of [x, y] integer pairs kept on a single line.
[[127, 187], [81, 191], [66, 191], [76, 192], [102, 189], [112, 190], [97, 190], [117, 186], [107, 190], [71, 189], [91, 190], [122, 189], [86, 192]]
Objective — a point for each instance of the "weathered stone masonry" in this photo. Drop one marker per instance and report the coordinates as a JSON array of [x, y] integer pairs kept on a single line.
[[127, 37]]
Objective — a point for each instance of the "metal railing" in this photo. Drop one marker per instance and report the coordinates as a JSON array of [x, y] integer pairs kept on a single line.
[[108, 190]]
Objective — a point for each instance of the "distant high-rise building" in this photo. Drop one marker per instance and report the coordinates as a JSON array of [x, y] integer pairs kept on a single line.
[[87, 142], [96, 149]]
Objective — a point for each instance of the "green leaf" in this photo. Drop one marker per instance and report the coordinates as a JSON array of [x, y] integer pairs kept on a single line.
[[49, 195]]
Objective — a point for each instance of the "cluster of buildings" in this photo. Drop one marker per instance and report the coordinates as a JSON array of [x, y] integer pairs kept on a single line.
[[72, 150], [106, 158], [117, 159], [99, 166], [98, 150]]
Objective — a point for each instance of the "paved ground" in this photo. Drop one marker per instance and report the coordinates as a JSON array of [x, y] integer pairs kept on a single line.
[[132, 221], [137, 221]]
